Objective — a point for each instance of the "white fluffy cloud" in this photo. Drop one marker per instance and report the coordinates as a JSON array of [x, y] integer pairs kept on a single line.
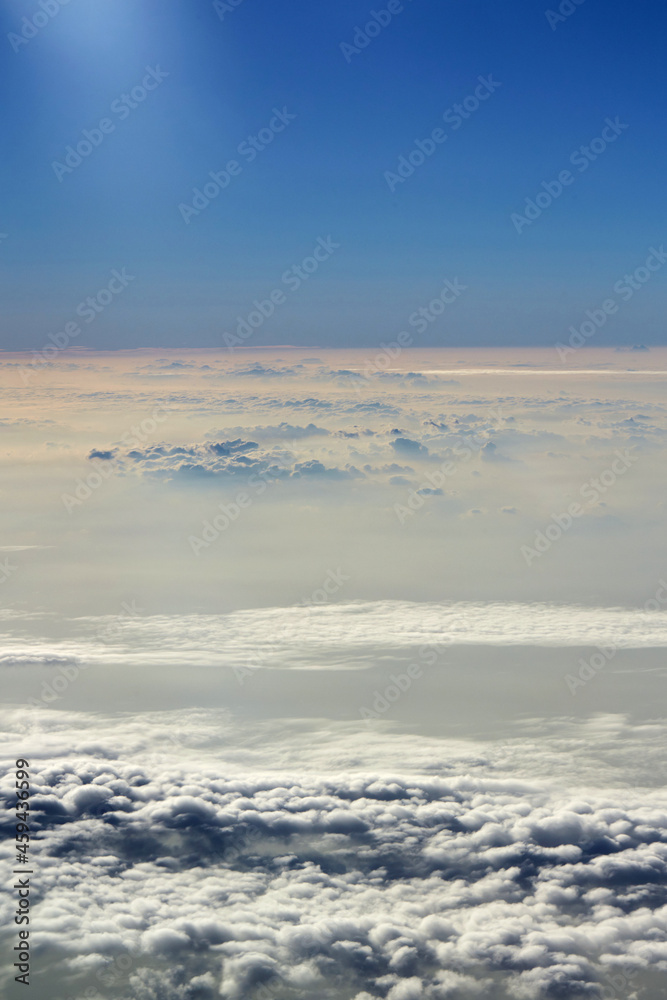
[[387, 881]]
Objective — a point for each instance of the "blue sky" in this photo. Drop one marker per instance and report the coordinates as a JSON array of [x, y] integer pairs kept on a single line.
[[324, 173]]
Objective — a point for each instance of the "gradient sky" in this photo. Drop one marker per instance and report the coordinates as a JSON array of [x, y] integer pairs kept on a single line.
[[324, 174]]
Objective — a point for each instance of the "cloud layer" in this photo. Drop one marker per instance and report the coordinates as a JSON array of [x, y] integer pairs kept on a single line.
[[383, 882], [490, 831], [317, 636]]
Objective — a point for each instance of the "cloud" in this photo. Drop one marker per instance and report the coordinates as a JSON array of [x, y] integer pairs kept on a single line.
[[409, 448], [275, 432], [24, 422], [367, 880], [489, 453], [335, 635], [233, 447], [314, 468], [225, 459], [356, 433], [23, 548], [336, 857]]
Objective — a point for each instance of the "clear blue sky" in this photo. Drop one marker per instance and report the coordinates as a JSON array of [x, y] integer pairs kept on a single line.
[[324, 173]]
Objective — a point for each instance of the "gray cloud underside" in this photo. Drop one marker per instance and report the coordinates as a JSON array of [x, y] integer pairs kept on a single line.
[[284, 450]]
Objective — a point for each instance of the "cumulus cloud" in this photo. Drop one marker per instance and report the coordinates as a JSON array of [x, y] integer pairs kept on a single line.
[[407, 447], [275, 432], [315, 468], [381, 881], [224, 459]]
